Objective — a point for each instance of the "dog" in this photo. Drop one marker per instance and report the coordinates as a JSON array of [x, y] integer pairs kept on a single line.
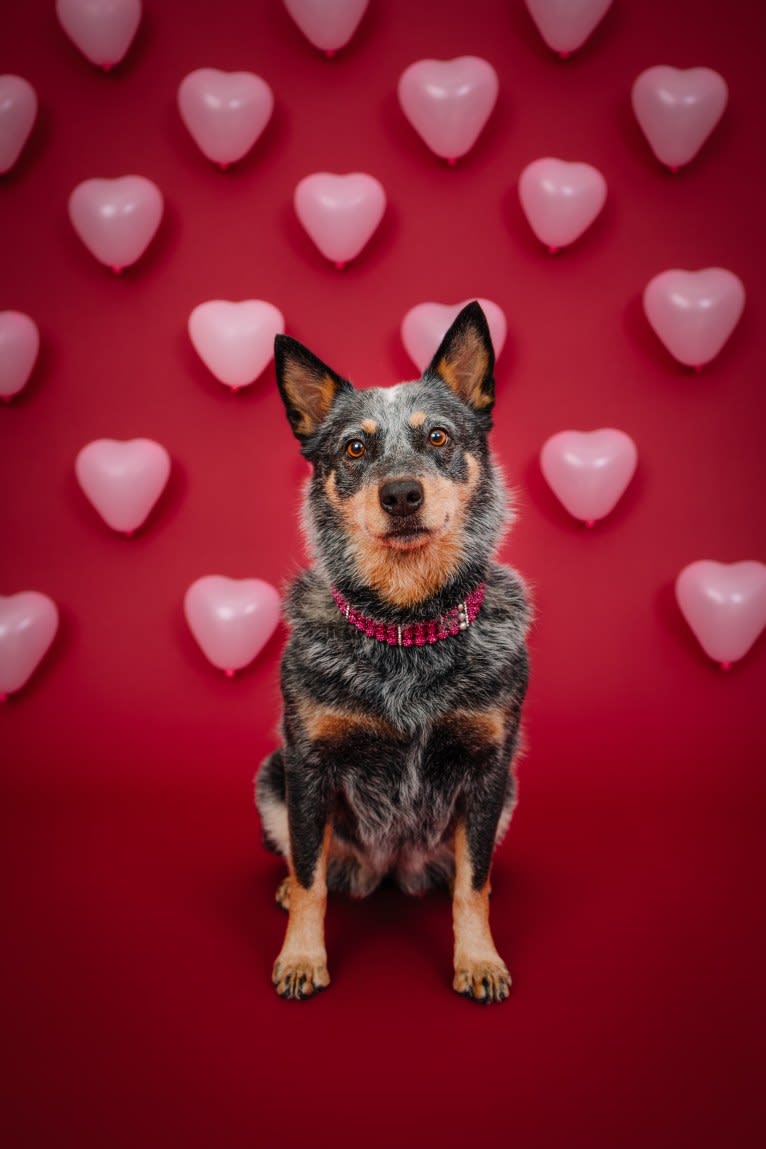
[[406, 665]]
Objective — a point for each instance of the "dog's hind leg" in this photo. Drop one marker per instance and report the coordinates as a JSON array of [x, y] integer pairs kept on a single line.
[[271, 801], [282, 895], [270, 798]]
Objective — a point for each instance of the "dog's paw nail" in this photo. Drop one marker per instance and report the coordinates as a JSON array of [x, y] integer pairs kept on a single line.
[[299, 979], [484, 982]]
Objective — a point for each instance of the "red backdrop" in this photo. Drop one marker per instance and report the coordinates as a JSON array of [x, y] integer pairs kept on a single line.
[[139, 925]]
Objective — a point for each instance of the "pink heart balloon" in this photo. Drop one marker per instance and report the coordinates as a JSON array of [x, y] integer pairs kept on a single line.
[[588, 471], [340, 212], [103, 30], [725, 605], [19, 347], [18, 110], [425, 325], [231, 619], [694, 312], [677, 109], [28, 622], [327, 24], [116, 219], [565, 25], [235, 340], [560, 199], [448, 102], [225, 112], [123, 479]]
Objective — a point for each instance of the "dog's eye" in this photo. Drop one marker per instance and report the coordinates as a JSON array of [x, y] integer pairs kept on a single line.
[[438, 437], [355, 448]]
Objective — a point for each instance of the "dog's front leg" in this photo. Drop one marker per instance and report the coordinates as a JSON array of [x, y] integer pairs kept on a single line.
[[301, 968], [480, 972]]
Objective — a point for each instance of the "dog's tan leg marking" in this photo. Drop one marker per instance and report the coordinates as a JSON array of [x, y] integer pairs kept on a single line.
[[480, 972], [282, 896], [301, 968]]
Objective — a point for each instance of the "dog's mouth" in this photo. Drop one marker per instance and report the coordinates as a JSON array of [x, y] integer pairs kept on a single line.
[[406, 537]]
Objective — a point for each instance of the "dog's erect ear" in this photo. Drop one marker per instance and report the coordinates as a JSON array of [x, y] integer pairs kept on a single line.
[[308, 388], [465, 360]]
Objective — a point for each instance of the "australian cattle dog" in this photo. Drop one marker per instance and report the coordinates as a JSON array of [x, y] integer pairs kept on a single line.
[[406, 666]]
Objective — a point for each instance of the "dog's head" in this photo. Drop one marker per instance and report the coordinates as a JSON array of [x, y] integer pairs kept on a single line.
[[404, 501]]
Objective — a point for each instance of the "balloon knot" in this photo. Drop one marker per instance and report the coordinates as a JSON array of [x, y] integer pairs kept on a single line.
[[553, 248], [589, 523], [726, 665], [229, 673], [340, 264]]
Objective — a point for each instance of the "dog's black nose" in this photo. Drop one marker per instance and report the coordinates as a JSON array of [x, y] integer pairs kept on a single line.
[[401, 497]]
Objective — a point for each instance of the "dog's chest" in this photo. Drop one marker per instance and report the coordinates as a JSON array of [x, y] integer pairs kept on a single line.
[[393, 795], [409, 689]]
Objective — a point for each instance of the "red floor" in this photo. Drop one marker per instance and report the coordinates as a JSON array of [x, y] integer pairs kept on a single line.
[[138, 927], [142, 933]]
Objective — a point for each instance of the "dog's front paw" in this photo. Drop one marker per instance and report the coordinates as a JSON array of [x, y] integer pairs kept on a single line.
[[298, 976], [484, 981]]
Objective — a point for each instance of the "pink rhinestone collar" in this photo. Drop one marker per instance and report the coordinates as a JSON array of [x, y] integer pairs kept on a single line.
[[457, 619]]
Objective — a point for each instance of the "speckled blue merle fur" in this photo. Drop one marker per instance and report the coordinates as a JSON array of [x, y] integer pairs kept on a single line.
[[387, 749]]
